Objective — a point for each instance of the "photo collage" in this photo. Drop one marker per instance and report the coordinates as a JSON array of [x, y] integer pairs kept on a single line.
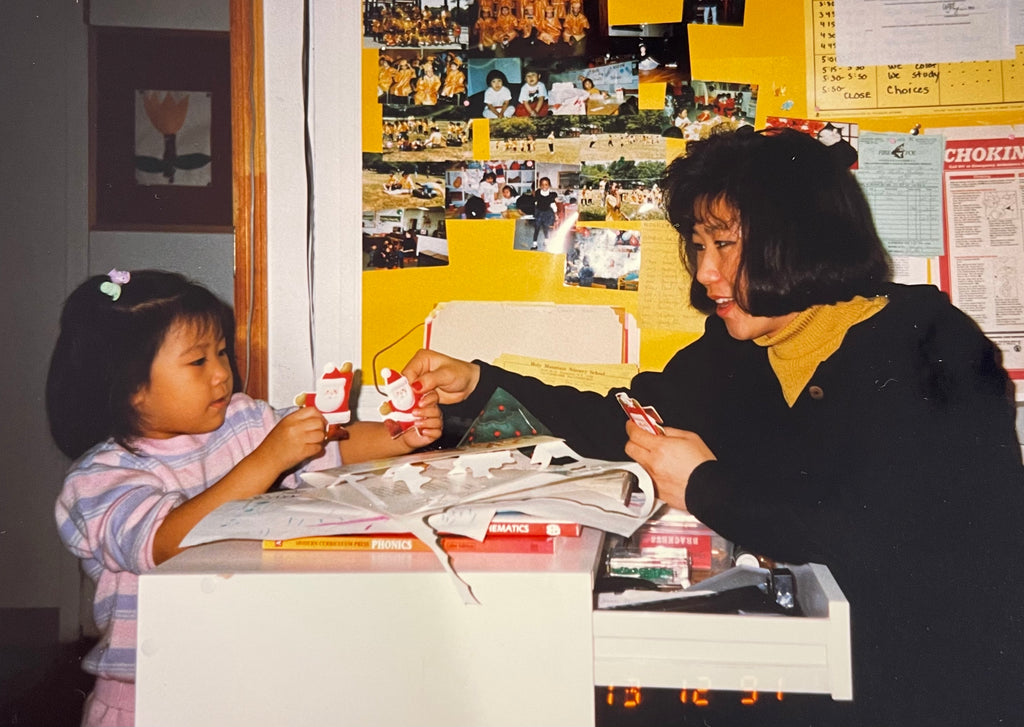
[[569, 141]]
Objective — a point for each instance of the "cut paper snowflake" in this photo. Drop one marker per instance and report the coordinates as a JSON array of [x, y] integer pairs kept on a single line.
[[410, 475], [480, 464]]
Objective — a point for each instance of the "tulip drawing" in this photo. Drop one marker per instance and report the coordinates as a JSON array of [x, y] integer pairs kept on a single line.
[[167, 114]]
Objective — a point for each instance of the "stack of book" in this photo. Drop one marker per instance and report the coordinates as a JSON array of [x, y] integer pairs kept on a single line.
[[671, 531], [508, 532]]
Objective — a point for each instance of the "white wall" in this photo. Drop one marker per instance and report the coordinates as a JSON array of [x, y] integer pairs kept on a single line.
[[43, 234], [335, 122], [185, 14]]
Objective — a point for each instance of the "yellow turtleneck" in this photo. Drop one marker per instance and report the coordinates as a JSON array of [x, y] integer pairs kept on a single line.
[[811, 337]]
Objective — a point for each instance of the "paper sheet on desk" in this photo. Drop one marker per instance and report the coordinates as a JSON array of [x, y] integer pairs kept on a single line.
[[585, 377], [454, 491]]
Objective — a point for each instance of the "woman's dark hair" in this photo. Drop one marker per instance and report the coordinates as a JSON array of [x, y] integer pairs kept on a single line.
[[106, 347], [808, 237]]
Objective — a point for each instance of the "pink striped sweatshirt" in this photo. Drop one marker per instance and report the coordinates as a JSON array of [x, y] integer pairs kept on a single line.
[[113, 501]]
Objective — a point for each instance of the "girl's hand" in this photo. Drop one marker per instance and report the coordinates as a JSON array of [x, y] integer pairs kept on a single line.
[[428, 422], [295, 438], [452, 378], [670, 459]]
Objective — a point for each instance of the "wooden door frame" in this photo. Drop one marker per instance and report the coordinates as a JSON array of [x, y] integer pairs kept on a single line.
[[249, 189]]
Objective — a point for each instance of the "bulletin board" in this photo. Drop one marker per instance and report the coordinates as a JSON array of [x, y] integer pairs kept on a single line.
[[763, 57]]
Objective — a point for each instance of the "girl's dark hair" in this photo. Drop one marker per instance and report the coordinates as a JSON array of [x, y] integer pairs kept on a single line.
[[105, 350], [808, 237], [495, 73]]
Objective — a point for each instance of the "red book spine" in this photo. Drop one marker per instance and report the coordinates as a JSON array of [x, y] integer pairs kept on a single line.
[[533, 529], [530, 544]]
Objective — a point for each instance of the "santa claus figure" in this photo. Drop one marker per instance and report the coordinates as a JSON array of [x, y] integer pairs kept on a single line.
[[332, 392], [397, 410]]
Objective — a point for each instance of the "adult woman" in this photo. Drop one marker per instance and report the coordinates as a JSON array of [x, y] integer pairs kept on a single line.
[[825, 415]]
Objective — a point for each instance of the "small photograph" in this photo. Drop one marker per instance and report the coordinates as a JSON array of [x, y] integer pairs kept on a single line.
[[550, 139], [714, 12], [419, 24], [661, 49], [437, 137], [841, 137], [639, 136], [699, 107], [596, 90], [494, 189], [391, 184], [621, 190], [548, 212], [418, 81], [603, 257], [493, 86], [564, 86], [499, 28], [404, 238]]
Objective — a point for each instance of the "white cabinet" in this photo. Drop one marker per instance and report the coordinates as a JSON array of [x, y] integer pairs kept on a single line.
[[230, 634]]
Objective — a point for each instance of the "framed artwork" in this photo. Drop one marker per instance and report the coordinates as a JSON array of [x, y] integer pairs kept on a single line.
[[160, 147]]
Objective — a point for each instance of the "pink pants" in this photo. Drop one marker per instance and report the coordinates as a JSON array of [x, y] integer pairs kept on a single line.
[[111, 704]]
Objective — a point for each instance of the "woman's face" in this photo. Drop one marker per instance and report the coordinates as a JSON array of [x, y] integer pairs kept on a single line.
[[718, 242]]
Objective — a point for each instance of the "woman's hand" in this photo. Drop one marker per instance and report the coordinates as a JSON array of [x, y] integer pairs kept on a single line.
[[669, 459], [428, 422], [452, 378]]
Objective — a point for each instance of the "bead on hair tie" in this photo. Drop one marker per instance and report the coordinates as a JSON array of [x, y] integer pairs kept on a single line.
[[112, 287]]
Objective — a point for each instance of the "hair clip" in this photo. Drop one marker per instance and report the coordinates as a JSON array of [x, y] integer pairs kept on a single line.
[[113, 286]]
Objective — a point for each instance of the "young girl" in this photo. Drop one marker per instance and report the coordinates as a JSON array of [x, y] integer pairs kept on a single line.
[[454, 85], [533, 96], [485, 29], [489, 192], [427, 86], [497, 97], [546, 200], [549, 27], [576, 24], [401, 81], [142, 393]]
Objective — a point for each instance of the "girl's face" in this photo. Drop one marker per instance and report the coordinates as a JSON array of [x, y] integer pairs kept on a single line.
[[545, 184], [718, 242], [189, 385], [531, 79], [496, 83]]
